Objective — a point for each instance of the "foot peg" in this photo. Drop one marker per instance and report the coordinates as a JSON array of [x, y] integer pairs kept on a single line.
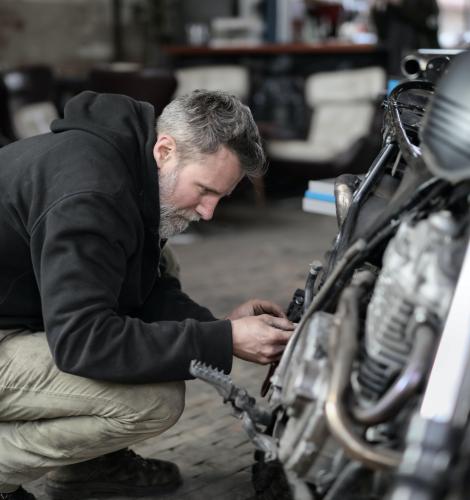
[[244, 406]]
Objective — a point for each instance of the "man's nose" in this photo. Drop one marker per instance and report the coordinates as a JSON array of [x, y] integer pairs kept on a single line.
[[206, 208]]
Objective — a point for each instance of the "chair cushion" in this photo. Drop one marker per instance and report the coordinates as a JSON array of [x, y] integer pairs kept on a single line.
[[229, 78], [349, 85], [334, 128]]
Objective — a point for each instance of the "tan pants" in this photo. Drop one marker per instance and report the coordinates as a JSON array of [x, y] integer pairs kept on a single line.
[[49, 418]]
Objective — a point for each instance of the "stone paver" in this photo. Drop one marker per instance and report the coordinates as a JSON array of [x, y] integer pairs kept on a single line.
[[245, 253]]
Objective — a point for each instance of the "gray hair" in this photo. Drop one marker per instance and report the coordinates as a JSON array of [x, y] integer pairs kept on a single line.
[[202, 121]]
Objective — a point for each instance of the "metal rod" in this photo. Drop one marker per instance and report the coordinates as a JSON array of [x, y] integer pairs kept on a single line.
[[411, 153], [343, 348], [375, 171]]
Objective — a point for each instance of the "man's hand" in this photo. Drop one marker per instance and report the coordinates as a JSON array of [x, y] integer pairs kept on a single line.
[[260, 338], [255, 307]]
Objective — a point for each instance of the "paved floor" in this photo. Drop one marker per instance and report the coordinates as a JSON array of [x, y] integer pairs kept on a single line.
[[246, 252]]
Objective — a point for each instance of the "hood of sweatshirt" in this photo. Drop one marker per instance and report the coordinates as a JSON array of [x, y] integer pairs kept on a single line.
[[128, 126]]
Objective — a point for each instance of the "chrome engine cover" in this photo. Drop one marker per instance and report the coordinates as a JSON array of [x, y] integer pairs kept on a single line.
[[305, 436], [419, 273]]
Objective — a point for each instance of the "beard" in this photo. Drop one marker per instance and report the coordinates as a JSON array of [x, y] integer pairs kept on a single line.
[[173, 220]]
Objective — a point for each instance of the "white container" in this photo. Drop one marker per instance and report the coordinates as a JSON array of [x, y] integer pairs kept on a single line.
[[320, 198]]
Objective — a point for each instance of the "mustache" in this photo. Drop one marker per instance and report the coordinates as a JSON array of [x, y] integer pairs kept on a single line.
[[190, 216], [168, 211], [174, 221]]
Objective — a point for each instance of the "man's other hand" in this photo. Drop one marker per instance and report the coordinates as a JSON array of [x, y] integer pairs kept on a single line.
[[260, 338], [256, 307]]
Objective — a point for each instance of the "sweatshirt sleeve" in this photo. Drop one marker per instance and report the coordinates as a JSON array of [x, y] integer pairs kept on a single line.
[[168, 301], [80, 250]]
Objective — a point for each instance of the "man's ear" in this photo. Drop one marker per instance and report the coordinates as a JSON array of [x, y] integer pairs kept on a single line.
[[164, 150]]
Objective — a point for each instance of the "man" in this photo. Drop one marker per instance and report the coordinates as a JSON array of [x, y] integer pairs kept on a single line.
[[96, 336]]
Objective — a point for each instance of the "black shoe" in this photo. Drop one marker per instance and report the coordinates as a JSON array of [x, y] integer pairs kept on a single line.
[[19, 494], [122, 473]]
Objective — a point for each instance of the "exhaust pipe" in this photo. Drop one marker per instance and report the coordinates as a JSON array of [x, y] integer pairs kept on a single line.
[[427, 64]]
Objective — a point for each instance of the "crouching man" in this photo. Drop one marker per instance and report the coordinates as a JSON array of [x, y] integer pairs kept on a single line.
[[96, 336]]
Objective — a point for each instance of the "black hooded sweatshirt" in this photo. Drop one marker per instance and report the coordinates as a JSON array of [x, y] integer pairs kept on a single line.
[[80, 250]]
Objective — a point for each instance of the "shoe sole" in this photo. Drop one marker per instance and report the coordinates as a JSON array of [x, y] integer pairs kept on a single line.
[[72, 491]]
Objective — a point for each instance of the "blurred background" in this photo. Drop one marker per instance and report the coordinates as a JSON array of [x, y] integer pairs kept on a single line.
[[73, 35], [297, 63]]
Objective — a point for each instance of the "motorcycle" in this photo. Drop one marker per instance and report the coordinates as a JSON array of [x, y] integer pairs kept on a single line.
[[371, 398]]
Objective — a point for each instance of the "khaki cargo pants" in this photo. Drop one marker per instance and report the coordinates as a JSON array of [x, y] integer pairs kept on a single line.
[[49, 418]]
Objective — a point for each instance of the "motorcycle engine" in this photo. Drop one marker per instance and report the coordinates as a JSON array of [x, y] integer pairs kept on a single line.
[[418, 275]]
